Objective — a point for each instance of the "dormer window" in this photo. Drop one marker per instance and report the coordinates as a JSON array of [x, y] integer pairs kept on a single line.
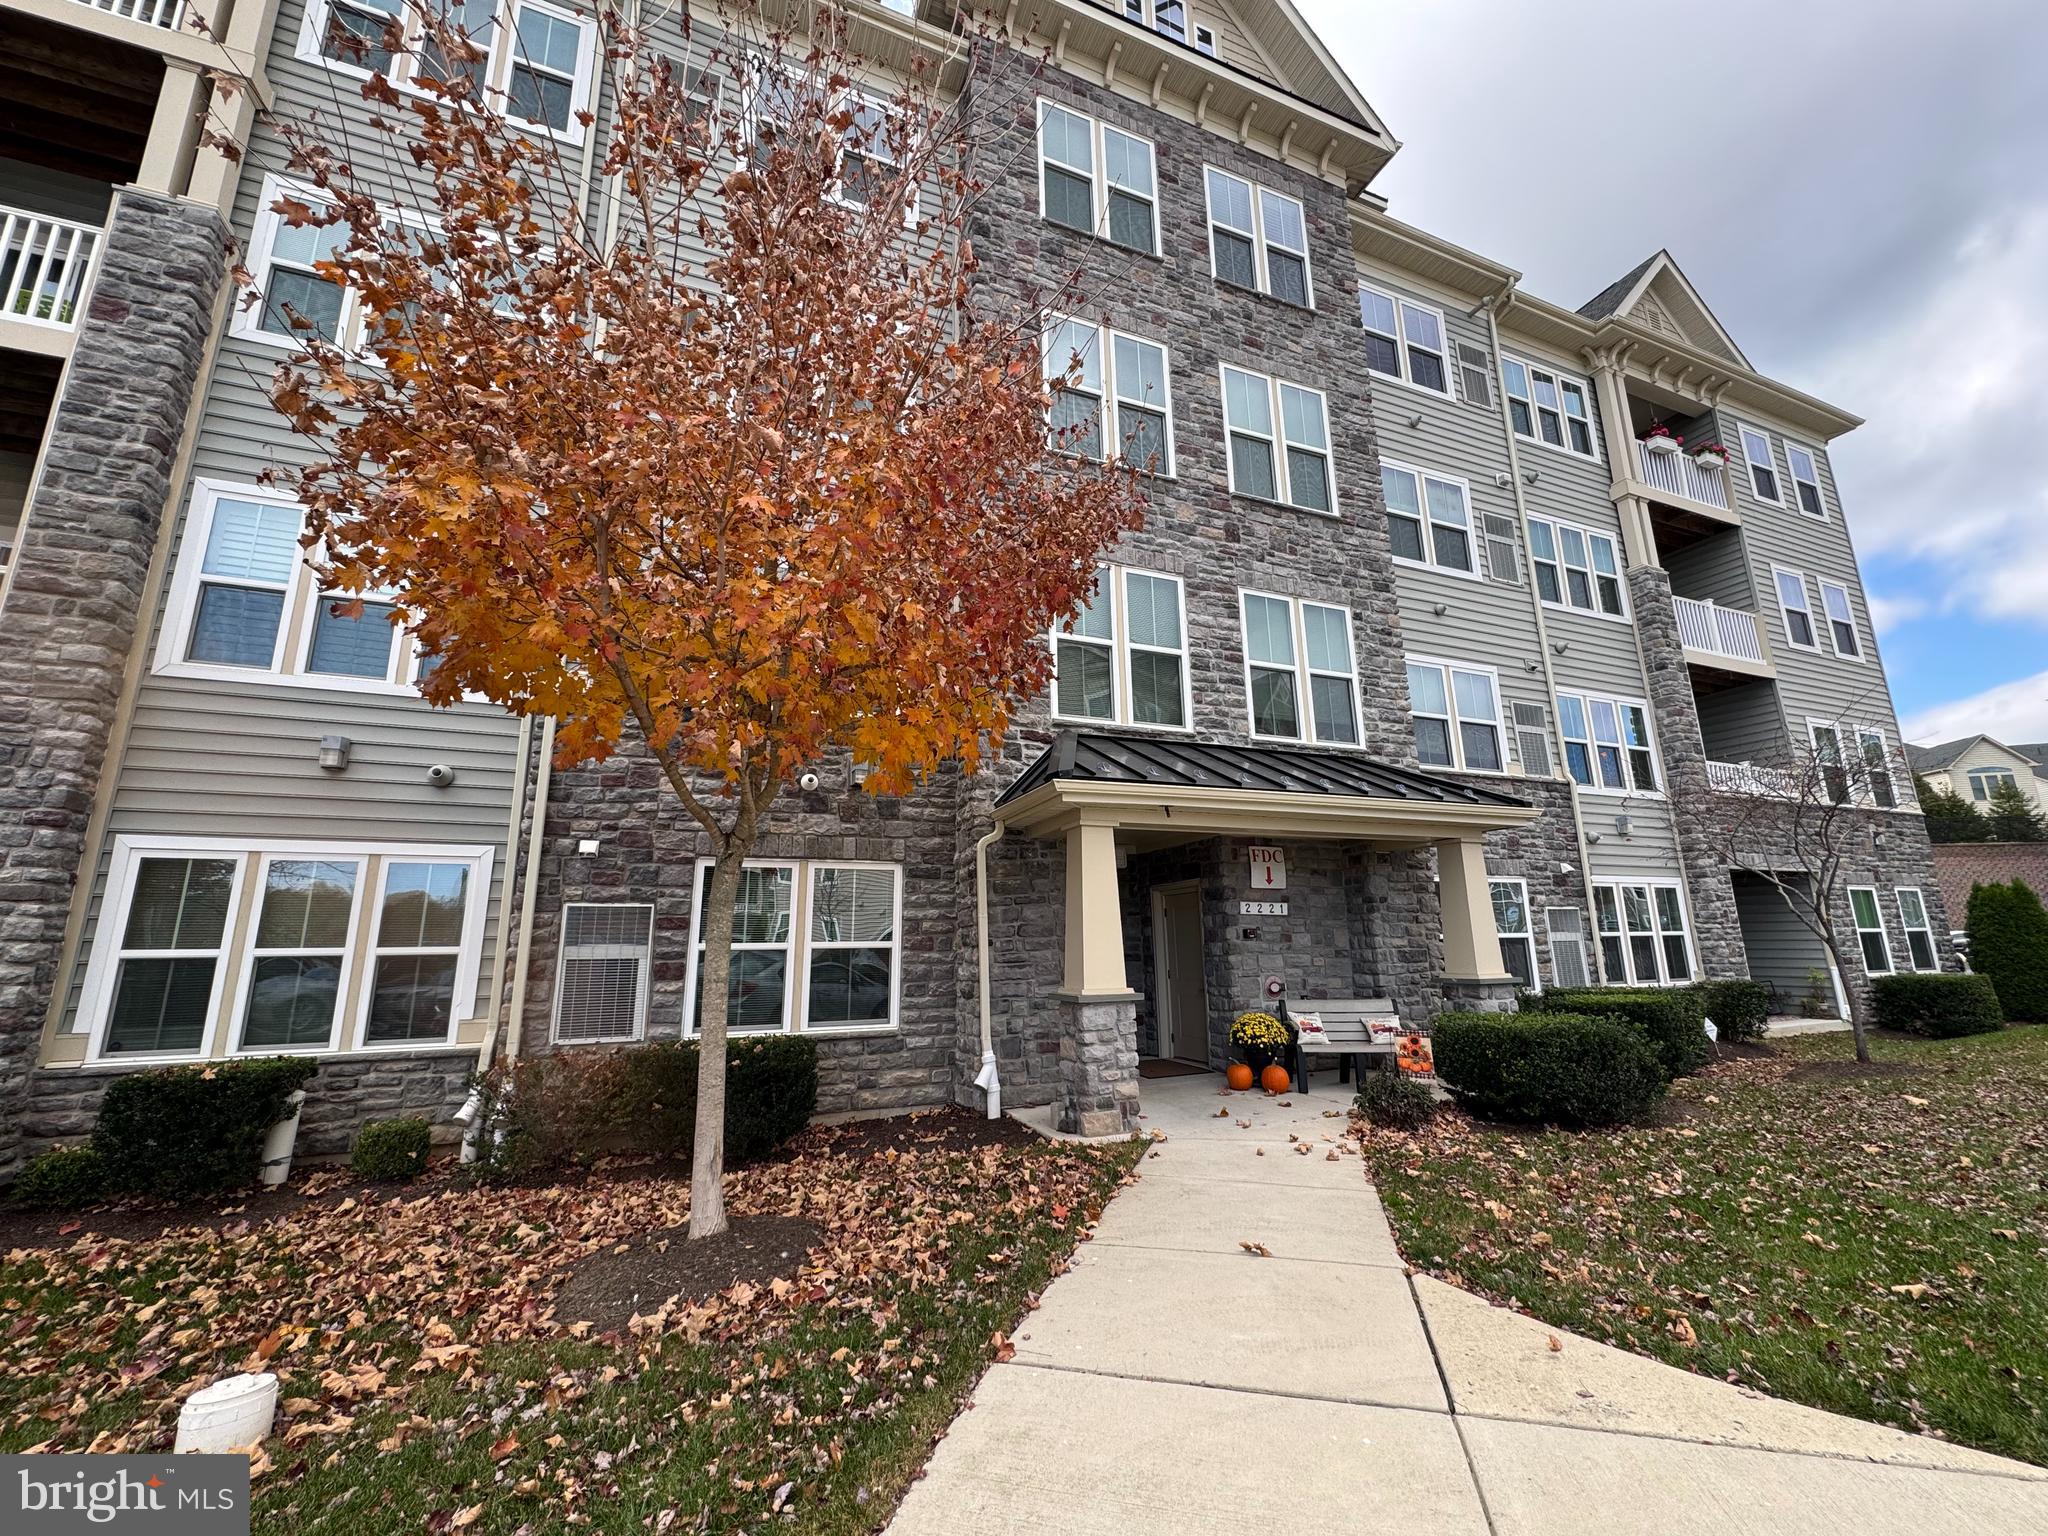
[[1169, 18]]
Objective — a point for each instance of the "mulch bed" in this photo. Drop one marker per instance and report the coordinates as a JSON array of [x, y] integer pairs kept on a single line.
[[608, 1289], [951, 1129]]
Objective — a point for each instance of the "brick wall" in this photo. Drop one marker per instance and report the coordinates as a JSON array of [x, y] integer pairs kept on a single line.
[[1960, 866]]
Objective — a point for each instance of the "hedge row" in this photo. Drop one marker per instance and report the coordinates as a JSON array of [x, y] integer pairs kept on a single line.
[[547, 1112], [1561, 1068], [1672, 1019], [1939, 1005]]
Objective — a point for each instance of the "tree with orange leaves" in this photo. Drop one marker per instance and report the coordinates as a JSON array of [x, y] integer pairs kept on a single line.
[[745, 470]]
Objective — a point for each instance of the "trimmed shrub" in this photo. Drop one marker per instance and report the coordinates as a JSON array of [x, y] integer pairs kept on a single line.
[[1670, 1018], [2009, 943], [1739, 1009], [548, 1112], [1395, 1100], [391, 1150], [1559, 1067], [1938, 1005], [178, 1132], [61, 1179]]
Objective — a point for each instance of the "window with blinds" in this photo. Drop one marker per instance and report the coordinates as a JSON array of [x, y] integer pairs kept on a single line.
[[1532, 739], [1567, 927], [1475, 374], [1503, 557], [601, 993]]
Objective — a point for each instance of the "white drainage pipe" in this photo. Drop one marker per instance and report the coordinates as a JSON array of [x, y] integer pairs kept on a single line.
[[470, 1116], [988, 1081], [279, 1141], [228, 1415]]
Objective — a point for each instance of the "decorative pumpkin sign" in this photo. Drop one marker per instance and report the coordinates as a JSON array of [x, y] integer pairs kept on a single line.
[[1238, 1075], [1412, 1053], [1275, 1079]]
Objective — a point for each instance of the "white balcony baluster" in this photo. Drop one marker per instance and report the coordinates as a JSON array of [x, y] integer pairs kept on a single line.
[[1719, 631], [151, 13], [1677, 475], [1749, 779], [44, 264]]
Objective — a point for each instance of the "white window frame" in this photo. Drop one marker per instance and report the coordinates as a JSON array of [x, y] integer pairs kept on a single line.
[[1793, 451], [1559, 378], [1839, 589], [1815, 728], [1592, 741], [797, 971], [1456, 721], [1527, 936], [1984, 780], [1120, 647], [245, 320], [1886, 763], [219, 1039], [1400, 338], [1856, 921], [1278, 440], [1147, 16], [1112, 401], [812, 869], [1262, 267], [466, 952], [1098, 175], [1753, 438], [1923, 929], [643, 982], [1785, 612], [1431, 522], [504, 53], [296, 622], [1656, 933], [250, 953], [1564, 566], [1304, 697]]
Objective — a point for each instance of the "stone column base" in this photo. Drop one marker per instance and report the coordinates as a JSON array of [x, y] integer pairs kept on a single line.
[[1098, 1066], [1462, 995]]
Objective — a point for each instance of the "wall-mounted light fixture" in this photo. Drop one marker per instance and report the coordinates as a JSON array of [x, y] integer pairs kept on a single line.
[[1530, 476], [334, 753], [1415, 421], [1559, 647], [1440, 609]]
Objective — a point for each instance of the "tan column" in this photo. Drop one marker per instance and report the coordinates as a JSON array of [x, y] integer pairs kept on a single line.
[[1095, 923], [1638, 543], [174, 130], [1471, 942]]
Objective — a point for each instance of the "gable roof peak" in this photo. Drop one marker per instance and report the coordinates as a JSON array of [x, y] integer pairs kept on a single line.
[[1668, 301]]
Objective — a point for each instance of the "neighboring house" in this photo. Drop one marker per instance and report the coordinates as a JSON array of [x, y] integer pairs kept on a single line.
[[1428, 676], [1974, 766]]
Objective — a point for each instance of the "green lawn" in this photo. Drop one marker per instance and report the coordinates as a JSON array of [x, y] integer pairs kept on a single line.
[[1876, 1246], [428, 1387]]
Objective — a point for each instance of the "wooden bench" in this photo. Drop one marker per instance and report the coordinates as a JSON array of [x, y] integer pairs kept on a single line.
[[1346, 1033]]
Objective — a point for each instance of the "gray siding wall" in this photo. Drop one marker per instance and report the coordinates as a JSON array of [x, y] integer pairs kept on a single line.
[[238, 759], [1782, 951], [1713, 570], [1811, 685], [1743, 724]]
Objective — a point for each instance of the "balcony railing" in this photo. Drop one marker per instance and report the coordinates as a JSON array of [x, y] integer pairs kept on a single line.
[[1749, 779], [151, 13], [1719, 631], [44, 264], [1677, 475]]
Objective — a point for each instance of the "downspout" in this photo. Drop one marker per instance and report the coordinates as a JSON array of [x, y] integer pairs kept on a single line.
[[521, 759], [987, 1081], [535, 835], [1591, 937]]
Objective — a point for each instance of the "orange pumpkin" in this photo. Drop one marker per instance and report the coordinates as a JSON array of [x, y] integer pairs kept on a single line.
[[1238, 1075], [1275, 1079]]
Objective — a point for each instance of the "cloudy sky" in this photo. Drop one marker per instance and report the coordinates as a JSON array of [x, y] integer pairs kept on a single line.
[[1859, 188]]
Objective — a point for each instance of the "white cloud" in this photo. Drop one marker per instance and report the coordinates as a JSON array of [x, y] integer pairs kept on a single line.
[[1889, 612], [2016, 711]]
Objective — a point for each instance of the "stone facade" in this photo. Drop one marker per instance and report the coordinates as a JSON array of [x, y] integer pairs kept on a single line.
[[79, 584], [1717, 925], [1098, 1049]]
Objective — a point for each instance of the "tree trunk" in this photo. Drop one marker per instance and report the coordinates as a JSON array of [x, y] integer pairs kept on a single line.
[[1857, 1024], [707, 1161]]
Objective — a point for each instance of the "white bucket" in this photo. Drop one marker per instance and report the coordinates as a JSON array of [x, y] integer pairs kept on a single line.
[[279, 1141], [228, 1415]]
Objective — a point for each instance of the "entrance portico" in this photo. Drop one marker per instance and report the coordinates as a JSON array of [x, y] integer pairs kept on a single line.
[[1168, 811]]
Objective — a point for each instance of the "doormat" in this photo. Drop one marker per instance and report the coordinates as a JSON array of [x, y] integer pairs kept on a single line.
[[1154, 1066]]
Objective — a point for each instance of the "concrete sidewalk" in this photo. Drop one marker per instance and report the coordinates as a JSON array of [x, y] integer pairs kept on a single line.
[[1173, 1383]]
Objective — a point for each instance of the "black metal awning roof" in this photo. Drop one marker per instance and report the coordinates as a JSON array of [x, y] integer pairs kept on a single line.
[[1171, 763]]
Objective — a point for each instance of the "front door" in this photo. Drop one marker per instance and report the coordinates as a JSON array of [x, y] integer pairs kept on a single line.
[[1183, 1000]]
